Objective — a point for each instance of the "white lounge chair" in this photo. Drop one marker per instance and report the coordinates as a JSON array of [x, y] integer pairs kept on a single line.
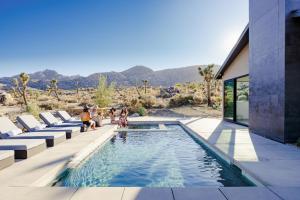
[[8, 130], [64, 115], [6, 159], [23, 148], [52, 121], [33, 125]]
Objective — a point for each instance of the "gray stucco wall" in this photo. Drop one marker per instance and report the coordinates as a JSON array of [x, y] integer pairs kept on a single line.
[[266, 59], [274, 70]]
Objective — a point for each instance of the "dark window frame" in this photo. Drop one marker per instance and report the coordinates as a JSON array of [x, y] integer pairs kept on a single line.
[[234, 100]]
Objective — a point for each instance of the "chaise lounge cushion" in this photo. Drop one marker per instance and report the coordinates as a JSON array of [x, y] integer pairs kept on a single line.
[[51, 138], [66, 117], [29, 122], [39, 135], [52, 121]]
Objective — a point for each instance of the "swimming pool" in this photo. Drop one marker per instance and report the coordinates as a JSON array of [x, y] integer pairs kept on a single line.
[[153, 159]]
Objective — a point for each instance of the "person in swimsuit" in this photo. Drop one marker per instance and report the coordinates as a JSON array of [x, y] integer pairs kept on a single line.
[[95, 116], [112, 115], [86, 118], [123, 118]]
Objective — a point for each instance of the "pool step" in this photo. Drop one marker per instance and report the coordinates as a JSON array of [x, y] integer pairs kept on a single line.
[[161, 128]]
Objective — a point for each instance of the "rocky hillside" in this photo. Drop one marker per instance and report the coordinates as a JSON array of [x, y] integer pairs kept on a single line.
[[129, 77]]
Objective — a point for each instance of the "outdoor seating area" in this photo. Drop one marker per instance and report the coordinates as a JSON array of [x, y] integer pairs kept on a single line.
[[15, 143], [30, 123], [150, 100]]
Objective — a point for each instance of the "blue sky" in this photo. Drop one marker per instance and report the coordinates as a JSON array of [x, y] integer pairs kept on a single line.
[[87, 36]]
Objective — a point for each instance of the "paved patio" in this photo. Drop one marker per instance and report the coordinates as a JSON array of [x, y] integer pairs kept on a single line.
[[270, 162], [274, 165], [121, 193]]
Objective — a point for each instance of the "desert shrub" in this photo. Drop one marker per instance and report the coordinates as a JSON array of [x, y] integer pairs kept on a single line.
[[43, 98], [134, 105], [218, 100], [142, 111], [71, 100], [104, 93], [8, 100], [33, 109], [134, 102], [180, 100], [49, 105], [197, 99], [160, 103], [10, 103], [35, 94], [165, 94], [148, 101]]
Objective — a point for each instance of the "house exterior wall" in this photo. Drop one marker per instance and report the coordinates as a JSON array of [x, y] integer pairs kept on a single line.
[[267, 71], [239, 67], [274, 60]]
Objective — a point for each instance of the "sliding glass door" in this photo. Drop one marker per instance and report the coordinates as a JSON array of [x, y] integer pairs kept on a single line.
[[229, 99], [236, 100]]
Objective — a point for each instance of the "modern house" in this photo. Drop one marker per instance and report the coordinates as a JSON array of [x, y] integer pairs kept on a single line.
[[261, 75]]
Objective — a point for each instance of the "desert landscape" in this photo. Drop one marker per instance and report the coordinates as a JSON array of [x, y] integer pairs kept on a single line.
[[143, 96]]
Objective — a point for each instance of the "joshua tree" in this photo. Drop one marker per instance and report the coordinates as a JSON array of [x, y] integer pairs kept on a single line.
[[53, 88], [21, 90], [138, 90], [77, 88], [145, 82], [208, 76]]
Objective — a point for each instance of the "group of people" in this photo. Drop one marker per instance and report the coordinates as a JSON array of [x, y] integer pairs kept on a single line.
[[90, 117], [122, 122]]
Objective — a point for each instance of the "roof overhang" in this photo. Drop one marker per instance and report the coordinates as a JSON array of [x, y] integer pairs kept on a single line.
[[241, 43]]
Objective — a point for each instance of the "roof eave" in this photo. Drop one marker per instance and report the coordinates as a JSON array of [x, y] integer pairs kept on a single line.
[[241, 43]]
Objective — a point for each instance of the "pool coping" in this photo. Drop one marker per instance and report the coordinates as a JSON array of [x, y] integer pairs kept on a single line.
[[86, 152], [231, 161], [50, 179]]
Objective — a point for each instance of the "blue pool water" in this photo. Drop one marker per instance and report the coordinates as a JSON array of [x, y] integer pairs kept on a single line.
[[153, 159], [143, 126]]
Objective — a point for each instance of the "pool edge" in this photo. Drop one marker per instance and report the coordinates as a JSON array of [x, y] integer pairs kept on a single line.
[[85, 153]]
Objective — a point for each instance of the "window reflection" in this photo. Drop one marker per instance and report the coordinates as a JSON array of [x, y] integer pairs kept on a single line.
[[229, 99], [242, 100]]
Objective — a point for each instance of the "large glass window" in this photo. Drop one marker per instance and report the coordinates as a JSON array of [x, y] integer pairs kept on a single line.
[[242, 100], [229, 99]]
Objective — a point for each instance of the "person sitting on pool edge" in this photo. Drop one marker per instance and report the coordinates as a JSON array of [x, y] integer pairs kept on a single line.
[[96, 117], [123, 118], [86, 118], [112, 115]]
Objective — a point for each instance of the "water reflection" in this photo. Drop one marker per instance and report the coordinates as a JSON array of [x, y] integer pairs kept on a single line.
[[123, 135]]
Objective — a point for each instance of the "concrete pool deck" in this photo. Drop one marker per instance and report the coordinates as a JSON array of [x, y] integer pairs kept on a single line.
[[273, 164]]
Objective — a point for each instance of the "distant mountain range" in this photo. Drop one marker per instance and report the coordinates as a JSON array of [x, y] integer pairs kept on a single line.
[[129, 77]]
